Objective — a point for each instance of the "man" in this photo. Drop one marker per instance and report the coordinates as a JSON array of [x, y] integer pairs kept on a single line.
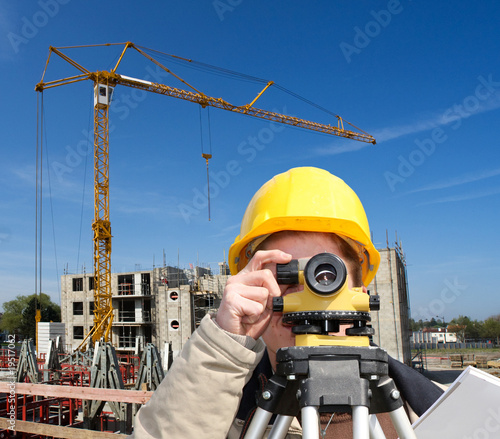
[[209, 392]]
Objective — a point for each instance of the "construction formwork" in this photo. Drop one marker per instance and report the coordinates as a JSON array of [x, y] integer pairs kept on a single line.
[[84, 394]]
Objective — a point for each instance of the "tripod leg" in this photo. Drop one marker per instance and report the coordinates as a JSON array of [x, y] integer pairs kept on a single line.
[[376, 431], [259, 424], [360, 424], [280, 427], [402, 424], [310, 422]]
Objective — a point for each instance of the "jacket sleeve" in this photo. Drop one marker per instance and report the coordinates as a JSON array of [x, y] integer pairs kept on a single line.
[[200, 394], [418, 391]]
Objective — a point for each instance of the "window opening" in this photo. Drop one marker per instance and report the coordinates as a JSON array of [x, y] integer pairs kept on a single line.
[[78, 332], [78, 284], [125, 284], [78, 308]]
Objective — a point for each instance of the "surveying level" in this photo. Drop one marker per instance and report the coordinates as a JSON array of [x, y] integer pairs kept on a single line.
[[324, 372], [325, 303]]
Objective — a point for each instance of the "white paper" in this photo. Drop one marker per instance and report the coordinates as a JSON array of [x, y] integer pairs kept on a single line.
[[469, 409]]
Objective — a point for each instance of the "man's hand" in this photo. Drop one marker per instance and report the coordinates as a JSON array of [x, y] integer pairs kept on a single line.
[[247, 304]]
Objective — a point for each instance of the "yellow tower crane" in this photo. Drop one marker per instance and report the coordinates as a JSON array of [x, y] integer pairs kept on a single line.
[[104, 84]]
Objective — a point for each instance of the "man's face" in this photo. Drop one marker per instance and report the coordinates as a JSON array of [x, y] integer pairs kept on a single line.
[[299, 245]]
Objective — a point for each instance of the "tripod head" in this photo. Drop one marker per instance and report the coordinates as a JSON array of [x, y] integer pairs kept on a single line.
[[325, 303]]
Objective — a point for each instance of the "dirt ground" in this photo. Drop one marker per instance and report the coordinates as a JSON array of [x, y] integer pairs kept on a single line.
[[438, 368]]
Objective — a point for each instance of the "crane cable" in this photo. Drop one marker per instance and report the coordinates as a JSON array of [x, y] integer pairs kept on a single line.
[[83, 197], [50, 200], [38, 199], [41, 137], [205, 155], [197, 65]]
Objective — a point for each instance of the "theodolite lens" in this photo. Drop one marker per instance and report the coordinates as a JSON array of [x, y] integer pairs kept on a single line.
[[325, 274]]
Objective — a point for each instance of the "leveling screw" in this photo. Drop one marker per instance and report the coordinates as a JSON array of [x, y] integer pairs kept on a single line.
[[395, 394]]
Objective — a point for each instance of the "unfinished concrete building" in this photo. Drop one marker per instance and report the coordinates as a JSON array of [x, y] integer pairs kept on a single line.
[[161, 306], [391, 323]]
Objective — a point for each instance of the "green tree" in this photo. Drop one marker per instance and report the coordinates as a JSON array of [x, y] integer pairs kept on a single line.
[[491, 328], [466, 328], [50, 312], [19, 314], [459, 330], [416, 326], [440, 323], [459, 325], [13, 313], [474, 329]]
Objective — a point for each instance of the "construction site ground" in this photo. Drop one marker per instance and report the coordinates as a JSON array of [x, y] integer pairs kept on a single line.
[[444, 370]]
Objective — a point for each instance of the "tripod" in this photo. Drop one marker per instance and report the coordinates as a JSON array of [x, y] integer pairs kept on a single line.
[[314, 379]]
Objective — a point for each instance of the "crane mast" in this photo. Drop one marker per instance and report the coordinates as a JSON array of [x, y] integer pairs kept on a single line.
[[103, 307], [104, 83]]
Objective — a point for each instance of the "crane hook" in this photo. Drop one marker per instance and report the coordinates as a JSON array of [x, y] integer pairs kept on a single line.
[[207, 157]]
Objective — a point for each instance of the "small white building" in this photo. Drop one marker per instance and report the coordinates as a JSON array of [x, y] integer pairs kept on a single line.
[[50, 331], [434, 335]]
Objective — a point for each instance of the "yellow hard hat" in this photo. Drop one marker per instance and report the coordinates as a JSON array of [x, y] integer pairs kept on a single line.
[[305, 199]]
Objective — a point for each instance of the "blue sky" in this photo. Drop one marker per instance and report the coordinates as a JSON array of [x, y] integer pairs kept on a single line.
[[422, 77]]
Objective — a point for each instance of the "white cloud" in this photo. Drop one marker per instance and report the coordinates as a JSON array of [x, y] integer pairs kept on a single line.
[[457, 181], [463, 197], [434, 120], [394, 132], [437, 119]]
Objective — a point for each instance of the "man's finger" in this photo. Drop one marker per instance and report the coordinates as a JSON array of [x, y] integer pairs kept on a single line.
[[263, 257]]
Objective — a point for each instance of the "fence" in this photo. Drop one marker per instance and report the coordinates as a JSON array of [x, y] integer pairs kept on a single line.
[[468, 345]]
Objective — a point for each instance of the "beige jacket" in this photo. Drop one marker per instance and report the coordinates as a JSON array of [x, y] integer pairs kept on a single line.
[[200, 394]]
